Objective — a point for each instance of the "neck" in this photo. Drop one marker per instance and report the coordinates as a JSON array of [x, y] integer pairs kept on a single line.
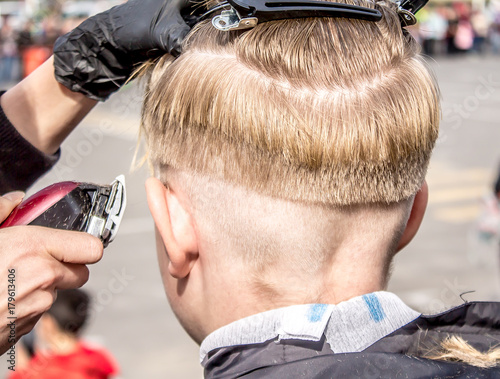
[[63, 344], [326, 256], [344, 278]]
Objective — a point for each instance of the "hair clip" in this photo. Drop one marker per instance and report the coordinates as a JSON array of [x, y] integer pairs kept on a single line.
[[238, 14], [407, 10]]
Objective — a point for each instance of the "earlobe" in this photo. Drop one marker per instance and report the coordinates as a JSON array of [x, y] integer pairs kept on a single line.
[[174, 225], [416, 216]]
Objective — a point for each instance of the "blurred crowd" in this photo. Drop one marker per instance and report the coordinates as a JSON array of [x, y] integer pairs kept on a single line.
[[443, 28], [26, 45], [458, 28]]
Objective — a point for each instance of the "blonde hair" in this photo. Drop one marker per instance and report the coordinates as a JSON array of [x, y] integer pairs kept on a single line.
[[456, 349], [328, 110]]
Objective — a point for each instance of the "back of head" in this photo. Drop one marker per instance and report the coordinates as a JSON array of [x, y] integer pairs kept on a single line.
[[70, 310], [322, 110], [300, 143]]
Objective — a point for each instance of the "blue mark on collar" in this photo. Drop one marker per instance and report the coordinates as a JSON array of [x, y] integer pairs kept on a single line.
[[376, 311], [316, 312]]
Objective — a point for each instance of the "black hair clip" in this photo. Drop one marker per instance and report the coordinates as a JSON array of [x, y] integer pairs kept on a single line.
[[407, 10], [245, 14], [238, 14]]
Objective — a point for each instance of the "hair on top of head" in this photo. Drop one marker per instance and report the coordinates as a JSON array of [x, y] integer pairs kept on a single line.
[[70, 310], [329, 110]]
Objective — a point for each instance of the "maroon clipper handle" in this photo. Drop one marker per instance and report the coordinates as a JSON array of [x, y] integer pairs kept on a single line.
[[38, 203], [85, 207]]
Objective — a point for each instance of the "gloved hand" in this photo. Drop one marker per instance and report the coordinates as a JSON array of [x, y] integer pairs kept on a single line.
[[98, 56]]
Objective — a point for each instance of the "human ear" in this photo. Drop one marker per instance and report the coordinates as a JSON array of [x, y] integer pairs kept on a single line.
[[416, 216], [175, 227]]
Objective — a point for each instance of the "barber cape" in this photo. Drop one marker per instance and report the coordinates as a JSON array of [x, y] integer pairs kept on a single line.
[[371, 336]]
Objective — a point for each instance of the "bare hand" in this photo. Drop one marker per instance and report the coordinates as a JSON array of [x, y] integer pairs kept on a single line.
[[43, 260]]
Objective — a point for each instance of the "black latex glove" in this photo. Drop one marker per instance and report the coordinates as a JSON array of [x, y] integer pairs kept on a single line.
[[98, 56]]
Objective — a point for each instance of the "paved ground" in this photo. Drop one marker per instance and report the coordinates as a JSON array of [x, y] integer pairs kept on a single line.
[[446, 259], [130, 314]]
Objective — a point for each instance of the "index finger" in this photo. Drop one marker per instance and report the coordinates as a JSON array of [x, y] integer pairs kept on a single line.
[[65, 246]]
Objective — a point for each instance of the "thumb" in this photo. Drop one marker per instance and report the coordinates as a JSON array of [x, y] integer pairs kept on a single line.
[[8, 202], [170, 29], [175, 38]]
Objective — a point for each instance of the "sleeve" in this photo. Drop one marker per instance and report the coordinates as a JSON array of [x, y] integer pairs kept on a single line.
[[21, 164]]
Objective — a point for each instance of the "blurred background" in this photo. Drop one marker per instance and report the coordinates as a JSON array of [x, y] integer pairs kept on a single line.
[[456, 251], [29, 28]]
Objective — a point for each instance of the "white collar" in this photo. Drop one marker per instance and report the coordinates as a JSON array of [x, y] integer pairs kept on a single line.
[[350, 326]]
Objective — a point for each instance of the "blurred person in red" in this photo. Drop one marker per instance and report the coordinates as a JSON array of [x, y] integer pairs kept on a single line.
[[463, 39], [59, 350]]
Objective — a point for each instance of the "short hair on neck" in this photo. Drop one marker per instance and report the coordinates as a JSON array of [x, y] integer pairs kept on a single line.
[[326, 110]]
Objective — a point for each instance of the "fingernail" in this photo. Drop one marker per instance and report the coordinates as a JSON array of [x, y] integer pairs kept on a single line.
[[15, 196]]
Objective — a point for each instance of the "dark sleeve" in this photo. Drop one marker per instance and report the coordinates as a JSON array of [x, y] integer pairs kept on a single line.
[[20, 162]]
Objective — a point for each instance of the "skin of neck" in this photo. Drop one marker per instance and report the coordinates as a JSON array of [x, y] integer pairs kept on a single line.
[[55, 340], [64, 344], [353, 270], [222, 288]]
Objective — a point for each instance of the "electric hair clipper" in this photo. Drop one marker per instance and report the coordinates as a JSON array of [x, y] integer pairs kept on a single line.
[[85, 207]]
